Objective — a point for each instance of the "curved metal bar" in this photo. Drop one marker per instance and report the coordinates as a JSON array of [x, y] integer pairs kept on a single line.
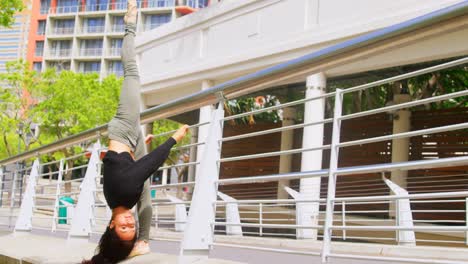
[[208, 96]]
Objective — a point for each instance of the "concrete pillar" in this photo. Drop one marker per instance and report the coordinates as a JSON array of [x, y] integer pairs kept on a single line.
[[287, 140], [312, 160], [400, 147]]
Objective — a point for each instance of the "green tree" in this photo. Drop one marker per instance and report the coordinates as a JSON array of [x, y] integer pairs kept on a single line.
[[8, 8], [72, 103], [17, 95]]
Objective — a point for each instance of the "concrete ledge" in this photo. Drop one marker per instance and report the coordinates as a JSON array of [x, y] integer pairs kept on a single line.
[[27, 248]]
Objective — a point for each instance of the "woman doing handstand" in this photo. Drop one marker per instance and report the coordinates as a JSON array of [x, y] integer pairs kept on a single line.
[[126, 167]]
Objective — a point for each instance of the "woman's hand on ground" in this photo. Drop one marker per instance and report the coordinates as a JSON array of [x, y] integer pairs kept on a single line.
[[180, 133], [148, 138]]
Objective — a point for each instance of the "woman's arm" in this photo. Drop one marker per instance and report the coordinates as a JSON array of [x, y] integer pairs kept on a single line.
[[145, 166]]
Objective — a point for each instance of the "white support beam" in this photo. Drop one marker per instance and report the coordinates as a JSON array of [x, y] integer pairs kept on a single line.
[[232, 215], [180, 213], [24, 221], [83, 214], [198, 234], [404, 216], [300, 208]]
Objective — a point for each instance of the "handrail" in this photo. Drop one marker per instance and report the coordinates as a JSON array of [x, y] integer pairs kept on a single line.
[[229, 88]]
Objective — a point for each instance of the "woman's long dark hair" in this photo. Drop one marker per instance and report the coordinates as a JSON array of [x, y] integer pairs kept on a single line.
[[111, 248]]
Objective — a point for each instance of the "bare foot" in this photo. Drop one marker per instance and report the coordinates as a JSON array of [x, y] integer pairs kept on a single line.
[[140, 248]]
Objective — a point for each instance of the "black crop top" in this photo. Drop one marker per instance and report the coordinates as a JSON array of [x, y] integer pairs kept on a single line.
[[124, 177]]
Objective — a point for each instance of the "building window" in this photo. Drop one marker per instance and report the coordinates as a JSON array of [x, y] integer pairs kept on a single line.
[[118, 24], [45, 5], [67, 6], [119, 4], [94, 25], [154, 21], [160, 3], [91, 47], [37, 66], [96, 5], [116, 47], [90, 67], [116, 67], [64, 26], [39, 48], [197, 3], [41, 25], [60, 48]]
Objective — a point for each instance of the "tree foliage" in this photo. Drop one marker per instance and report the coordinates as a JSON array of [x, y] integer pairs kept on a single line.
[[62, 104], [8, 8], [17, 115]]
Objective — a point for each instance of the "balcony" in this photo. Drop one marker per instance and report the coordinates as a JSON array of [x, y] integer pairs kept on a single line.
[[118, 6], [159, 3], [96, 7], [115, 51], [64, 9], [93, 29], [118, 28], [195, 3], [60, 53], [91, 52], [63, 30]]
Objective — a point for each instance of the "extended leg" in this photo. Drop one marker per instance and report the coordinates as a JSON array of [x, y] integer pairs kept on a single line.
[[125, 126]]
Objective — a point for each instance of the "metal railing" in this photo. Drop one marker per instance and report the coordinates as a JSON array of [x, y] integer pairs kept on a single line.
[[63, 30], [115, 51], [57, 53], [96, 7], [119, 6], [160, 3], [339, 215], [118, 28], [91, 52], [93, 29]]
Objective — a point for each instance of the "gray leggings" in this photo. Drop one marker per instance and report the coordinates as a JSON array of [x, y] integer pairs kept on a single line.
[[125, 126]]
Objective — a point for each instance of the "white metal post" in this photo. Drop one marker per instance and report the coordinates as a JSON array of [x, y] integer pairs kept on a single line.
[[343, 218], [164, 177], [327, 231], [55, 219], [232, 215], [12, 198], [309, 189], [260, 217], [83, 214], [466, 220], [23, 223], [404, 216], [198, 234], [180, 213]]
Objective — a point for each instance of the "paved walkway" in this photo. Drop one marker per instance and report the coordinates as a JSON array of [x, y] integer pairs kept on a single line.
[[37, 249]]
